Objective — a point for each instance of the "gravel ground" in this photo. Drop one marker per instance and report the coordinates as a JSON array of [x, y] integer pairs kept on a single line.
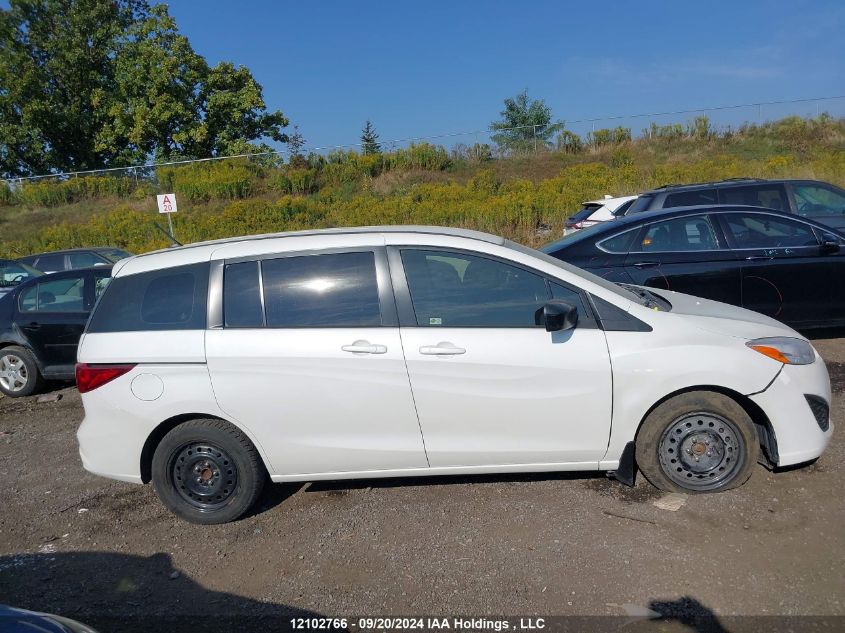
[[93, 549]]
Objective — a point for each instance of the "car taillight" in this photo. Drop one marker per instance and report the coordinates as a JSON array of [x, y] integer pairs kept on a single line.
[[89, 377]]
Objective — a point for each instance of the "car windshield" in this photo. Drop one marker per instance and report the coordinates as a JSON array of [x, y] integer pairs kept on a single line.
[[13, 273], [621, 291], [114, 255]]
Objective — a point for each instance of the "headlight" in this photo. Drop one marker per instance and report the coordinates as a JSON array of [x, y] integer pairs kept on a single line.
[[784, 349]]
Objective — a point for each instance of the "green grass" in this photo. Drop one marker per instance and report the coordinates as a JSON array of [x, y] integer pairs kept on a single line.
[[422, 184]]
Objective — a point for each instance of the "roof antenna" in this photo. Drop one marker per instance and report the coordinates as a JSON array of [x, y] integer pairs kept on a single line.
[[173, 241]]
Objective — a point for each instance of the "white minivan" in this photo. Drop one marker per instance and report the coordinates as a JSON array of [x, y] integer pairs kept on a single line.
[[401, 351]]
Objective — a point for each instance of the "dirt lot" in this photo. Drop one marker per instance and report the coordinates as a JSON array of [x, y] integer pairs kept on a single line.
[[93, 549]]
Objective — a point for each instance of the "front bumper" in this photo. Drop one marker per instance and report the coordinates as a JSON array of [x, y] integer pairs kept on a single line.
[[800, 437]]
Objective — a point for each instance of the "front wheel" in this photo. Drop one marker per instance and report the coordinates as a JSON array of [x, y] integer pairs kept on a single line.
[[207, 471], [700, 441]]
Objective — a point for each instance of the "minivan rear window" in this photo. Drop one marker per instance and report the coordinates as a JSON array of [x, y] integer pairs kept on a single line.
[[168, 299]]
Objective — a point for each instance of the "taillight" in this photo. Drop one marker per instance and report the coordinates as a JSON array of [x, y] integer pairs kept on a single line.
[[89, 377]]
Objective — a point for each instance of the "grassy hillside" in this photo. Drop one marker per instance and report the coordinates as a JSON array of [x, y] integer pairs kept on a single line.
[[423, 184]]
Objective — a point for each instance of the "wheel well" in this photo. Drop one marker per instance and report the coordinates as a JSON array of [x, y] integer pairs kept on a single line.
[[158, 433], [768, 440]]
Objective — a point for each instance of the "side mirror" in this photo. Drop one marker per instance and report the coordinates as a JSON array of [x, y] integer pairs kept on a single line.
[[829, 246], [558, 315]]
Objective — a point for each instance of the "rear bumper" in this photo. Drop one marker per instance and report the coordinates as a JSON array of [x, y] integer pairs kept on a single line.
[[799, 434]]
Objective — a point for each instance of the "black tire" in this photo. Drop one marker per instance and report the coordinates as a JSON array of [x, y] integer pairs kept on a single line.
[[15, 355], [696, 442], [207, 471]]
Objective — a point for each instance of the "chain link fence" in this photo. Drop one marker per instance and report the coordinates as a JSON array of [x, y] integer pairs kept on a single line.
[[481, 144]]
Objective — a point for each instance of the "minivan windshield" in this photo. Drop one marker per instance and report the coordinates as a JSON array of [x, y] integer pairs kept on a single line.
[[621, 291]]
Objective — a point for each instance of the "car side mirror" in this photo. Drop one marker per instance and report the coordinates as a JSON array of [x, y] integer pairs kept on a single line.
[[829, 246], [558, 315]]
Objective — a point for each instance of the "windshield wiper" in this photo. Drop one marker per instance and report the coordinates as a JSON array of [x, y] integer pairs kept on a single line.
[[648, 297]]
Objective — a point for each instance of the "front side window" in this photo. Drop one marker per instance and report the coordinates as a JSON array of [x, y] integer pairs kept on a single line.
[[750, 230], [450, 289], [60, 295], [167, 299], [691, 233], [812, 200], [769, 196], [331, 290]]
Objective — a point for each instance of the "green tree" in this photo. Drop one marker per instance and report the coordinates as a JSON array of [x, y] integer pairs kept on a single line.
[[525, 124], [88, 84], [369, 139], [295, 143]]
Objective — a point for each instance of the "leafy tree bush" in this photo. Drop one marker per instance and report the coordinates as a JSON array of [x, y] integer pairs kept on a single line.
[[569, 142], [525, 124], [609, 136], [88, 85]]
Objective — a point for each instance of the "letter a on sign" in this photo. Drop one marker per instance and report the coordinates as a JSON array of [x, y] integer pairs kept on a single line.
[[166, 202]]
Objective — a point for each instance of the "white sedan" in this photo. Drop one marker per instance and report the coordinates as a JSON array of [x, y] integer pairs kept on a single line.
[[405, 351]]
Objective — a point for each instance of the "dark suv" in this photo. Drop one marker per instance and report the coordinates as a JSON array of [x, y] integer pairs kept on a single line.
[[812, 199]]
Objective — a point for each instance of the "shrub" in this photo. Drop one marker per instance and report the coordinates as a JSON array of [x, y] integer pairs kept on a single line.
[[671, 132], [422, 156], [484, 181], [621, 157], [569, 142], [609, 136], [700, 129], [227, 179]]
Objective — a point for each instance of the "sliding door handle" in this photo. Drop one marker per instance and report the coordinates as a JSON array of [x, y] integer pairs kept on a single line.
[[364, 347], [443, 348]]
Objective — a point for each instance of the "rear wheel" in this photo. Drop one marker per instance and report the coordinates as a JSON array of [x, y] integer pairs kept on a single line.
[[700, 441], [207, 471], [19, 375]]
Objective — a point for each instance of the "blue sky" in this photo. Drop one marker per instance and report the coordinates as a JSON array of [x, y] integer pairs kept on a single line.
[[439, 67]]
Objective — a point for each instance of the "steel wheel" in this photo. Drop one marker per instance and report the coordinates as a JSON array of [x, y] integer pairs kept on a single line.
[[204, 475], [13, 373], [701, 451]]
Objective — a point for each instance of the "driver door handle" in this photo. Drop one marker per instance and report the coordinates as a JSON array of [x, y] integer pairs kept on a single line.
[[364, 347], [758, 258], [645, 264], [32, 326], [443, 348]]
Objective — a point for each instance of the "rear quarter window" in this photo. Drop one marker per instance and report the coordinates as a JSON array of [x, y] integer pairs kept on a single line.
[[691, 198], [168, 299]]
